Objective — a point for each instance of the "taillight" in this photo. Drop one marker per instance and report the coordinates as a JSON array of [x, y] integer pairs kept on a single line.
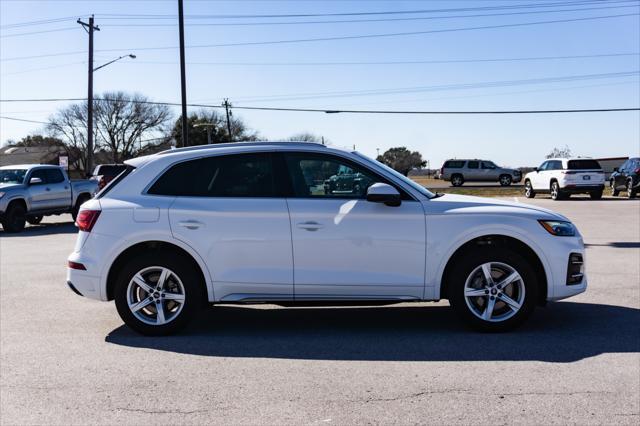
[[86, 219], [637, 171]]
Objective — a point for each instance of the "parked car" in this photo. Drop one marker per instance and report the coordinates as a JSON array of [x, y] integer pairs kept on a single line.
[[562, 177], [626, 178], [30, 191], [105, 173], [347, 181], [224, 223], [460, 171]]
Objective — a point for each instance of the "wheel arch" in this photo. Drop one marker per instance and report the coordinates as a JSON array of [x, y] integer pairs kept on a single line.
[[18, 200], [497, 240], [155, 245]]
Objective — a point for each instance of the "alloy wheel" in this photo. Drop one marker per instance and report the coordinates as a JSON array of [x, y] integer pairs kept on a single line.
[[155, 295], [494, 291]]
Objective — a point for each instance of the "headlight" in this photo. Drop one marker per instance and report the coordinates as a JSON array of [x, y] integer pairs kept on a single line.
[[559, 228]]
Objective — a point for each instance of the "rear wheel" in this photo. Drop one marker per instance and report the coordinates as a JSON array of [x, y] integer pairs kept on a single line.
[[614, 191], [158, 294], [81, 200], [631, 193], [596, 195], [457, 180], [528, 189], [34, 220], [493, 290], [556, 192], [14, 218], [505, 180]]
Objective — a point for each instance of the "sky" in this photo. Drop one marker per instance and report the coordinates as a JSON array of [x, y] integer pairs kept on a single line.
[[459, 60]]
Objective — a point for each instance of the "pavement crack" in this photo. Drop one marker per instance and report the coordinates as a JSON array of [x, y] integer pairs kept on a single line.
[[412, 395], [142, 410]]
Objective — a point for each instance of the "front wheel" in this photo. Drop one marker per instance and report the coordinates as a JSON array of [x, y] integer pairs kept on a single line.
[[505, 180], [15, 218], [158, 294], [528, 190], [493, 290]]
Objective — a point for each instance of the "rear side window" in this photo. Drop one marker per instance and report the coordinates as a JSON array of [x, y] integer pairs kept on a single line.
[[244, 175], [472, 165], [585, 164], [54, 176], [454, 164], [116, 181]]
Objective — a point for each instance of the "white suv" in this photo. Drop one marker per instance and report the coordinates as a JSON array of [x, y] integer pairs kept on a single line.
[[562, 177], [257, 222]]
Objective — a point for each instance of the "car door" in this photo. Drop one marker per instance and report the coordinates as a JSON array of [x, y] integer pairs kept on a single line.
[[59, 189], [489, 171], [473, 172], [345, 246], [39, 193], [228, 210], [537, 178]]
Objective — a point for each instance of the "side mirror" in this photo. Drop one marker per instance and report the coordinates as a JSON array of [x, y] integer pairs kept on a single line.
[[383, 193], [35, 181], [615, 169]]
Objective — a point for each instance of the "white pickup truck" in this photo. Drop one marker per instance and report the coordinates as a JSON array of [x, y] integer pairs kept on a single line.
[[30, 191]]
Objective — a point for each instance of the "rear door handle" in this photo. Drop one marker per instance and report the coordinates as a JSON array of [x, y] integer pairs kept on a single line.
[[309, 226], [191, 224]]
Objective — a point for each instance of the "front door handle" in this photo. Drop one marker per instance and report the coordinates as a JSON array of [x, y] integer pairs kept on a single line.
[[191, 224], [309, 226]]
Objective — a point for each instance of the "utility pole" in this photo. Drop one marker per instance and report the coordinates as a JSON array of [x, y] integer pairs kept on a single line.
[[89, 27], [226, 106], [183, 83]]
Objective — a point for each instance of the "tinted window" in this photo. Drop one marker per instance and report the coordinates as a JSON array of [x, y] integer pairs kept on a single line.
[[472, 165], [585, 164], [246, 175], [454, 164], [554, 165], [40, 173], [488, 165], [116, 181], [54, 176], [109, 170], [326, 176]]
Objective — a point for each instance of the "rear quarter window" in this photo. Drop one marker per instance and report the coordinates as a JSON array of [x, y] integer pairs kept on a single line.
[[585, 164], [454, 164]]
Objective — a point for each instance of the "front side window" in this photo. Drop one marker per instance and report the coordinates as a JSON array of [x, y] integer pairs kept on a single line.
[[488, 165], [543, 166], [243, 175], [40, 173], [472, 164], [324, 176]]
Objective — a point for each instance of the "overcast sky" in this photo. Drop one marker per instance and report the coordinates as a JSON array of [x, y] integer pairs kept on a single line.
[[588, 63]]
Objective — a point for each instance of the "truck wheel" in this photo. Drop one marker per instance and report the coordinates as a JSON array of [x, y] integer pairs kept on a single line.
[[528, 189], [34, 220], [493, 290], [631, 193], [457, 180], [81, 199], [505, 180], [614, 191], [158, 293], [596, 195], [14, 218]]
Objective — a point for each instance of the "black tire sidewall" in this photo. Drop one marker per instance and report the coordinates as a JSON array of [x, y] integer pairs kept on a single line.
[[183, 268], [531, 193], [8, 222], [467, 262]]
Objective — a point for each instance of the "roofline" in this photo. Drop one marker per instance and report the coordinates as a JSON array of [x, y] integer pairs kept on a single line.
[[240, 144]]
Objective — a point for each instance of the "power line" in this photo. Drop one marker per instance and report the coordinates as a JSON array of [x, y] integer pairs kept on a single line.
[[38, 32], [22, 119]]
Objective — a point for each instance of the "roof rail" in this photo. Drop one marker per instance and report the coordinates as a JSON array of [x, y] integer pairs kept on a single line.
[[233, 144]]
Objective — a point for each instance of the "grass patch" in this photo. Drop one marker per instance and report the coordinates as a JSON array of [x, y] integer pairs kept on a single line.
[[491, 191]]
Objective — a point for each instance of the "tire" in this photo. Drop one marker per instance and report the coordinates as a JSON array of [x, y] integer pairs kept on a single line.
[[528, 189], [556, 192], [180, 298], [457, 180], [14, 218], [596, 195], [614, 191], [631, 193], [34, 220], [471, 295], [81, 200], [505, 180]]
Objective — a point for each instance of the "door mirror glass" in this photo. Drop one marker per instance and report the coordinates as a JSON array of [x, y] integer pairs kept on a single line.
[[35, 181], [383, 193]]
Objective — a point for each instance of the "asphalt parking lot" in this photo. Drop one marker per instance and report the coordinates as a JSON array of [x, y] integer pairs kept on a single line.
[[69, 360]]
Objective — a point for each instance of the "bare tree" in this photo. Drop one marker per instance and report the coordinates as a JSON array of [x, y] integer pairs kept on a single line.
[[306, 137], [560, 152], [215, 123], [125, 124]]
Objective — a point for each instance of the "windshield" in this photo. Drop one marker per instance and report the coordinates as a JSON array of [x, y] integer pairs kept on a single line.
[[12, 175], [421, 189]]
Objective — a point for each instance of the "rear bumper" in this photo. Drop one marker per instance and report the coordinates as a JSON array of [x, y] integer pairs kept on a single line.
[[578, 189]]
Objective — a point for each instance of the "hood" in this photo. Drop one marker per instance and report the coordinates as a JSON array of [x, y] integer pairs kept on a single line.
[[465, 204], [5, 186]]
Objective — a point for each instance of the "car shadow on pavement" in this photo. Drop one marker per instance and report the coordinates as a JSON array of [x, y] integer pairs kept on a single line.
[[562, 332], [42, 229], [616, 244]]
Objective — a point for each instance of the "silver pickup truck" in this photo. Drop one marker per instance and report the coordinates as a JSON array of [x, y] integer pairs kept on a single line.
[[30, 191]]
